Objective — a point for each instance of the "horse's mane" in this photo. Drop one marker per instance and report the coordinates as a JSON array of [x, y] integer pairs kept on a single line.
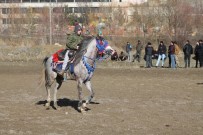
[[82, 49], [84, 44]]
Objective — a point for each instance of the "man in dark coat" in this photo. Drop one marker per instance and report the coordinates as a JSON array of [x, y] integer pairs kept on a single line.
[[196, 52], [188, 50], [148, 53], [200, 53]]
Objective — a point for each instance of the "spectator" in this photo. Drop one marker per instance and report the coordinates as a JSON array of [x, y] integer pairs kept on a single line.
[[171, 52], [129, 51], [161, 54], [188, 50], [196, 52], [200, 53], [139, 48], [114, 56], [177, 51], [148, 53], [169, 59], [122, 56]]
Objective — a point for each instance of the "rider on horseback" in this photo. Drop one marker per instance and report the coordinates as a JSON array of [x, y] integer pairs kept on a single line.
[[73, 40]]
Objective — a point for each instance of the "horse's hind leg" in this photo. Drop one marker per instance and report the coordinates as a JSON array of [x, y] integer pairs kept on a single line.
[[89, 87], [57, 86], [50, 78], [48, 84], [48, 97]]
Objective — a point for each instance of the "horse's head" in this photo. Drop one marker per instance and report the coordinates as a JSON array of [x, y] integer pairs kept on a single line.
[[104, 49]]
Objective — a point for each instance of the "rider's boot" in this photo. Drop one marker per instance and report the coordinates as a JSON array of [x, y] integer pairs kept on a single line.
[[62, 73]]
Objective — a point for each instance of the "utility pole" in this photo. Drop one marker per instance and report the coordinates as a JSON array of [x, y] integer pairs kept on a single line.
[[50, 22]]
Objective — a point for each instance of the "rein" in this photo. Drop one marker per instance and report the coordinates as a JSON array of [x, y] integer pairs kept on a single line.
[[91, 67]]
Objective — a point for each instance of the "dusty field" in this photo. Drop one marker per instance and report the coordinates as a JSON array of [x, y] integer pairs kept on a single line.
[[134, 101]]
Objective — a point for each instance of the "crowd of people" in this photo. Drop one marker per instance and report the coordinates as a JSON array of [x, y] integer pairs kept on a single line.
[[162, 53], [172, 52]]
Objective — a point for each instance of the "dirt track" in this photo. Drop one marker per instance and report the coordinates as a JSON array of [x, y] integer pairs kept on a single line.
[[134, 101]]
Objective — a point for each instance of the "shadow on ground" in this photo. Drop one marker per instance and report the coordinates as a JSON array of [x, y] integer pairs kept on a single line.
[[65, 102]]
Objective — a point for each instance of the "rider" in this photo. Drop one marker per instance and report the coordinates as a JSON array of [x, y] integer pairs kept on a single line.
[[73, 40]]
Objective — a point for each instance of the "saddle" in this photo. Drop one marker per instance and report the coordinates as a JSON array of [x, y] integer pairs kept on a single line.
[[61, 54]]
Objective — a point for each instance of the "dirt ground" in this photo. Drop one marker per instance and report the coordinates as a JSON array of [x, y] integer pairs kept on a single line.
[[128, 101]]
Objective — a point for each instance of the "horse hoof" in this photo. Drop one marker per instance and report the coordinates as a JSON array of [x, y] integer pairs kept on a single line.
[[56, 107], [81, 110], [47, 105], [84, 105]]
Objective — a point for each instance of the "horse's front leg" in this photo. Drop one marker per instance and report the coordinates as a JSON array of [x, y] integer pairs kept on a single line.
[[89, 87], [80, 104], [59, 81]]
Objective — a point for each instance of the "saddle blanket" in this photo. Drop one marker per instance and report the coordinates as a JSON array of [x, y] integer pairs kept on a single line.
[[58, 67]]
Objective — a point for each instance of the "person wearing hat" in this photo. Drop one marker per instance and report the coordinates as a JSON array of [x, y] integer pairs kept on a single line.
[[75, 38], [73, 41]]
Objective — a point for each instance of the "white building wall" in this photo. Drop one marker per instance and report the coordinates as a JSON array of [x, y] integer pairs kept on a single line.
[[121, 3]]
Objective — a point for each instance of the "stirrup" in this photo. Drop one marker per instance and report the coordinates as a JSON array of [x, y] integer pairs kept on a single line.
[[65, 77]]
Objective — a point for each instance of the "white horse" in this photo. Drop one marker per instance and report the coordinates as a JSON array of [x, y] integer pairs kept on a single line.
[[83, 69]]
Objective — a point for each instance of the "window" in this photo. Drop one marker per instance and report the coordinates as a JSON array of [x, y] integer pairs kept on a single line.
[[83, 0], [6, 21], [65, 0], [101, 0], [5, 10], [69, 9], [2, 1], [26, 0]]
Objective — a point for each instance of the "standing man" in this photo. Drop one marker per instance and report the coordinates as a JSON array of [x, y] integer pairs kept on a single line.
[[148, 53], [171, 51], [188, 50], [139, 48], [177, 51], [161, 53], [200, 53], [197, 47], [129, 51]]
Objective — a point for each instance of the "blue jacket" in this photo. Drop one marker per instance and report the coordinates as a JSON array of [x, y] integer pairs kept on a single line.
[[128, 48]]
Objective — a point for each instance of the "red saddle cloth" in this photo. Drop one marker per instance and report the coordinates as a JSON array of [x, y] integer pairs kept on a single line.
[[56, 55]]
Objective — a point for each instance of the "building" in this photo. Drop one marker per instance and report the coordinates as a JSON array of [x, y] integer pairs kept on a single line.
[[10, 7]]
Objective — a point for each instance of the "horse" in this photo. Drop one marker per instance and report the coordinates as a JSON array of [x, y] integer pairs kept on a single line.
[[83, 67]]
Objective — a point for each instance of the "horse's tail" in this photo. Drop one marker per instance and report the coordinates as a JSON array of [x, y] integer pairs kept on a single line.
[[45, 60], [43, 78]]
